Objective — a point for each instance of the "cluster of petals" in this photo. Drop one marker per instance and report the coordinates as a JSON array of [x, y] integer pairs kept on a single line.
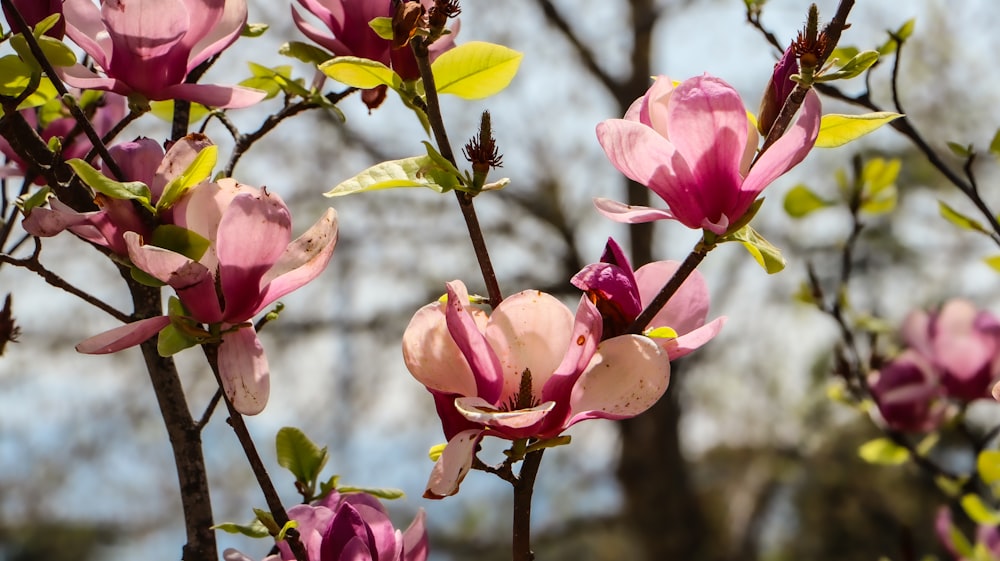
[[693, 145], [141, 160], [348, 34], [250, 263], [987, 538], [349, 527], [528, 370], [109, 112], [621, 294], [952, 353], [147, 47]]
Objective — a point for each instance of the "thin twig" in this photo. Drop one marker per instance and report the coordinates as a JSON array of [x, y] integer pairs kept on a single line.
[[690, 263]]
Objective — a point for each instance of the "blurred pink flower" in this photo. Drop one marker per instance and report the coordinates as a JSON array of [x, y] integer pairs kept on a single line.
[[529, 370], [621, 294], [908, 394], [962, 343], [986, 536], [350, 527], [140, 160], [693, 145], [250, 264], [148, 47]]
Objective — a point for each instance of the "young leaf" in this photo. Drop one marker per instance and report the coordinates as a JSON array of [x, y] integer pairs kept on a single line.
[[35, 200], [197, 171], [978, 511], [309, 54], [57, 53], [837, 130], [960, 150], [255, 529], [360, 72], [801, 201], [15, 76], [382, 493], [883, 451], [475, 70], [299, 455], [962, 221], [418, 171], [134, 190], [766, 255], [988, 466], [878, 193], [993, 262], [188, 243], [995, 144], [164, 111], [854, 67], [254, 29], [382, 27]]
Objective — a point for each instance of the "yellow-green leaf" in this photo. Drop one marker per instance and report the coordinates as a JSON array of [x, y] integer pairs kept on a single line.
[[475, 70], [995, 144], [837, 130], [801, 201], [164, 110], [883, 451], [360, 72], [978, 511], [764, 253], [15, 75], [988, 466], [661, 333], [993, 262], [418, 171], [197, 171], [959, 219]]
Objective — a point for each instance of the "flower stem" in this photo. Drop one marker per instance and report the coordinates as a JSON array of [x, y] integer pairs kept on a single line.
[[690, 263], [523, 489], [256, 464], [464, 199]]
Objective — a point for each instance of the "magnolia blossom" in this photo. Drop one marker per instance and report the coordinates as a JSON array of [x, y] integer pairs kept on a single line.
[[779, 87], [908, 394], [348, 34], [34, 11], [529, 370], [249, 264], [349, 527], [621, 294], [962, 343], [148, 47], [109, 111], [693, 145], [140, 160]]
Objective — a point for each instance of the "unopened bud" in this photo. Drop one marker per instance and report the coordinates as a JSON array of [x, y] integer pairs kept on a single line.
[[779, 87]]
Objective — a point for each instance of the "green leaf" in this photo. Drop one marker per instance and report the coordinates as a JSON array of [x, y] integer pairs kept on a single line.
[[299, 455], [254, 29], [906, 30], [993, 262], [382, 493], [274, 81], [801, 201], [360, 72], [197, 171], [959, 219], [661, 333], [133, 190], [164, 110], [435, 451], [978, 511], [988, 466], [960, 150], [883, 451], [382, 27], [837, 130], [475, 70], [188, 243], [15, 75], [854, 67], [255, 529], [418, 171], [309, 54], [284, 529], [844, 53], [878, 192], [172, 340], [28, 202], [766, 255], [57, 53]]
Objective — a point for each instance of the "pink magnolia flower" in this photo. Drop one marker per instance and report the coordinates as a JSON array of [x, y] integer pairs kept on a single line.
[[350, 35], [621, 294], [962, 343], [34, 11], [350, 527], [140, 160], [109, 111], [529, 370], [693, 145], [148, 47], [908, 394], [250, 264]]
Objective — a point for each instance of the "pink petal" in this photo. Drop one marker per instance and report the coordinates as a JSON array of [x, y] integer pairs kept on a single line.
[[687, 309], [244, 370], [44, 222], [201, 209], [636, 150], [587, 331], [453, 465], [222, 97], [330, 43], [145, 37], [83, 78], [138, 159], [433, 357], [692, 340], [483, 412], [179, 156], [193, 282], [218, 27], [415, 546], [486, 367], [84, 25], [626, 376], [529, 331], [651, 108], [788, 151], [123, 337], [253, 233], [629, 214], [302, 261], [958, 347]]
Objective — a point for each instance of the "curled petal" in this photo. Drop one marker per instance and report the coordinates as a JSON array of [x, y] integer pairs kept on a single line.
[[244, 370], [629, 214], [453, 465], [44, 222], [123, 337], [686, 343], [587, 331], [635, 149], [433, 357], [626, 376], [486, 367], [84, 26], [484, 413], [415, 546], [213, 95], [220, 28], [787, 151], [303, 260]]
